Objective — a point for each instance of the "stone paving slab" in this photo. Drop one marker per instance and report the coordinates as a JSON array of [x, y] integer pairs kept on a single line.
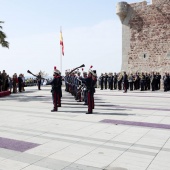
[[69, 139]]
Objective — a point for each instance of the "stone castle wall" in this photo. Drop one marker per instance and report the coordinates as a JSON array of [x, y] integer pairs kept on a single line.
[[145, 36]]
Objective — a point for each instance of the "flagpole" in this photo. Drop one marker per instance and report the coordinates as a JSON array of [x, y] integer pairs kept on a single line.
[[60, 53]]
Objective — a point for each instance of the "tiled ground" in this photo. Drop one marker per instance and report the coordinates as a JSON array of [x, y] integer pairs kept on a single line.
[[126, 132]]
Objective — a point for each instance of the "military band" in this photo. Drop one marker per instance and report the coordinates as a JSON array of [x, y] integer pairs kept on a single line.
[[135, 81]]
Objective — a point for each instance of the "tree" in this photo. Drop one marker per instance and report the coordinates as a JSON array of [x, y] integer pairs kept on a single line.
[[3, 37], [43, 73]]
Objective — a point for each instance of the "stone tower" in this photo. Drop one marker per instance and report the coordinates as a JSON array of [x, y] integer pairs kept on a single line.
[[145, 35]]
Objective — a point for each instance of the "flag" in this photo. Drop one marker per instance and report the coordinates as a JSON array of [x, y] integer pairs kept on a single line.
[[61, 43]]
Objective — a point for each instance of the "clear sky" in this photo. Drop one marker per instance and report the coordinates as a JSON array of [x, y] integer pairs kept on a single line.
[[91, 32]]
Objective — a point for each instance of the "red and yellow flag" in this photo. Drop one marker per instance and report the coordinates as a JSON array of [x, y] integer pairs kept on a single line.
[[61, 43]]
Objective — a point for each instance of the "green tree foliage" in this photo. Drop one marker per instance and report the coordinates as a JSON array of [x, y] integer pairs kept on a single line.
[[3, 41]]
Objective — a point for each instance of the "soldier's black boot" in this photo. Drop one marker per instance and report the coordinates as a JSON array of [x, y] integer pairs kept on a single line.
[[54, 110], [88, 112]]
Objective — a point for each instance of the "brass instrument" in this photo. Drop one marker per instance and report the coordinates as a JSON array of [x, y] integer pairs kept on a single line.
[[28, 71], [119, 77]]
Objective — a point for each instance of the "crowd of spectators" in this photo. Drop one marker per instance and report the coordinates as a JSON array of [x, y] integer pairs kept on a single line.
[[13, 84], [16, 83]]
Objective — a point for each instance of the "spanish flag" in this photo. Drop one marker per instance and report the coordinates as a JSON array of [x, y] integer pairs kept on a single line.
[[61, 43]]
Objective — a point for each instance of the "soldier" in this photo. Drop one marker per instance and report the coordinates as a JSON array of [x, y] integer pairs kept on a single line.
[[147, 79], [105, 80], [166, 81], [156, 80], [66, 81], [111, 81], [85, 89], [60, 90], [101, 79], [55, 83], [125, 81], [78, 93], [159, 81], [120, 77], [153, 81], [39, 81], [130, 80], [142, 82], [90, 82], [138, 81], [136, 77], [115, 81]]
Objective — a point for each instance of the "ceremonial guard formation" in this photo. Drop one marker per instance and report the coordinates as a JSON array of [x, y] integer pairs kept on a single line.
[[82, 88], [139, 81]]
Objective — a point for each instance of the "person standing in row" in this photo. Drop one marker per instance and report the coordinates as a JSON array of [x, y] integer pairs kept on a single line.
[[90, 82], [125, 81], [105, 80], [115, 81], [20, 82], [39, 81], [56, 89], [101, 81]]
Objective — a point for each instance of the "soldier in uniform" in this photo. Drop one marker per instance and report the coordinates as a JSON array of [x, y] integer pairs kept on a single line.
[[166, 81], [101, 81], [60, 91], [85, 89], [142, 82], [147, 78], [159, 81], [78, 93], [130, 80], [55, 83], [115, 81], [120, 77], [90, 82], [105, 80], [135, 81], [111, 81], [153, 81], [39, 81], [66, 81], [125, 81]]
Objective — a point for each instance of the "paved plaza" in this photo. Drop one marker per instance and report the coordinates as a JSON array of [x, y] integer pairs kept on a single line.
[[128, 131]]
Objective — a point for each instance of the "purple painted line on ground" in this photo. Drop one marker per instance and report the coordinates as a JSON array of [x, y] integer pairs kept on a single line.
[[16, 145], [142, 124]]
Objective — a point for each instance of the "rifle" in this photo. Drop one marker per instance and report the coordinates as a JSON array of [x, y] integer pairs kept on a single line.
[[76, 68]]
